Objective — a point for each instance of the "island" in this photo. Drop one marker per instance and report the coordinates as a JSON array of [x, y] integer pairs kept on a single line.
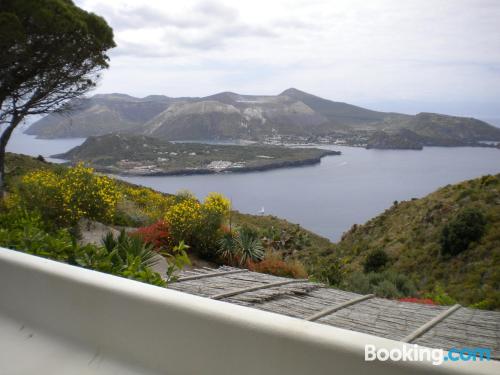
[[401, 140], [292, 117], [139, 155]]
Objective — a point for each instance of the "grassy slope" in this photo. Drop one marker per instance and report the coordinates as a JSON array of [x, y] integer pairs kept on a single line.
[[410, 233], [17, 165], [318, 245]]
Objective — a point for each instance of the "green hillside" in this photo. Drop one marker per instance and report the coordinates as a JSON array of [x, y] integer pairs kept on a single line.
[[141, 155], [445, 246], [411, 234], [442, 130]]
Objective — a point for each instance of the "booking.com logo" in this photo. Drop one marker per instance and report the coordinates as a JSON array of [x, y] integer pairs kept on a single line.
[[418, 353]]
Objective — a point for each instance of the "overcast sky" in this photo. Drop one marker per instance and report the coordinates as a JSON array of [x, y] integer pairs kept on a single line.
[[409, 56]]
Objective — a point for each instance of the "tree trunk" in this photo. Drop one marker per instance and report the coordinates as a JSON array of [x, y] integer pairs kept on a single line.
[[2, 172], [4, 139]]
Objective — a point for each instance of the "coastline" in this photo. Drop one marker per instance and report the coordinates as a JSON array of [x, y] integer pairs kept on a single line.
[[206, 171]]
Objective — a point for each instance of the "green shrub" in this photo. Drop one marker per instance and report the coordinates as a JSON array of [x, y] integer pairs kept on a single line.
[[466, 227], [386, 289], [198, 224], [328, 270], [486, 304], [404, 284], [376, 260], [24, 231], [286, 240], [177, 259], [440, 296], [383, 284], [488, 180], [357, 282], [129, 218]]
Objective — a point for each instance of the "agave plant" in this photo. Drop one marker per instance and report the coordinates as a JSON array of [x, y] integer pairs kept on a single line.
[[249, 246], [227, 246]]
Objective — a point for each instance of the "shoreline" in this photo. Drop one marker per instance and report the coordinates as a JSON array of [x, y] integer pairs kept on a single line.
[[206, 171], [244, 143]]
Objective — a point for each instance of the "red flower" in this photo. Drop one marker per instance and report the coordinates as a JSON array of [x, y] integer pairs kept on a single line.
[[157, 234], [425, 301]]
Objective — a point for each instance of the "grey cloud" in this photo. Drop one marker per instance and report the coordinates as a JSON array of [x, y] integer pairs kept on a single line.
[[243, 30], [200, 43], [208, 26], [352, 49], [202, 15], [126, 48], [217, 37], [216, 10], [143, 16]]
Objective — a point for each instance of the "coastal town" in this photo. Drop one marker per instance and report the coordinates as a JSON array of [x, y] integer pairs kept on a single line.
[[147, 156]]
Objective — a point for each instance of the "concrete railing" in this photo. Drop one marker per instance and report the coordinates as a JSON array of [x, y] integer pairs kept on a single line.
[[60, 319]]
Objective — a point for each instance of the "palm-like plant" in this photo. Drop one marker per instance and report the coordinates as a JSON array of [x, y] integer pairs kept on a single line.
[[109, 242], [124, 248], [243, 245], [227, 246], [249, 246], [134, 247]]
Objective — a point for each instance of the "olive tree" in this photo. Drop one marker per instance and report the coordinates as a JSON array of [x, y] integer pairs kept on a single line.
[[52, 52]]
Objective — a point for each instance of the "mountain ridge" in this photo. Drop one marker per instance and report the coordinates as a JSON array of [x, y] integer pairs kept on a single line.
[[293, 116]]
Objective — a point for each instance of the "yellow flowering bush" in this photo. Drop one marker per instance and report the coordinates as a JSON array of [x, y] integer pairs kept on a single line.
[[66, 197], [185, 218], [198, 224], [40, 190], [148, 202], [217, 203]]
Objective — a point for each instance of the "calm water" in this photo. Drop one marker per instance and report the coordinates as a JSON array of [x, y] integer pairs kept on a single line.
[[327, 198], [29, 145]]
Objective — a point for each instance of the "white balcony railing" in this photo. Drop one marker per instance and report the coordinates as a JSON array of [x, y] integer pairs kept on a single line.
[[60, 319]]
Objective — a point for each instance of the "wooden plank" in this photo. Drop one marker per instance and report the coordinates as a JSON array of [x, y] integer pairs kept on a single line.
[[206, 275], [431, 323], [331, 310], [258, 287], [188, 271]]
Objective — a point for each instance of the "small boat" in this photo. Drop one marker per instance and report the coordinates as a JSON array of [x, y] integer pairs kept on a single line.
[[262, 211]]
